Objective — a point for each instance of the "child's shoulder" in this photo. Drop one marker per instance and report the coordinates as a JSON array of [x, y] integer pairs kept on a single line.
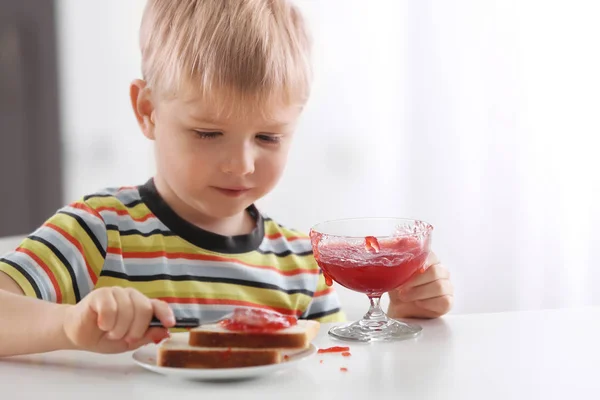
[[115, 205], [119, 197], [279, 236]]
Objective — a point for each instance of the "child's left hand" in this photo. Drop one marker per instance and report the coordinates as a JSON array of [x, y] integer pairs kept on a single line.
[[428, 294]]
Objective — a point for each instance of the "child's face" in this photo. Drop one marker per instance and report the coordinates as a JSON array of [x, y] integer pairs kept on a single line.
[[219, 165]]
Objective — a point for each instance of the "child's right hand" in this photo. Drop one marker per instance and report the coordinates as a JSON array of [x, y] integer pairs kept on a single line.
[[115, 320]]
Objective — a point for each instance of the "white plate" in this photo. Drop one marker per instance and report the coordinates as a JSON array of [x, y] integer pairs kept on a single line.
[[146, 357]]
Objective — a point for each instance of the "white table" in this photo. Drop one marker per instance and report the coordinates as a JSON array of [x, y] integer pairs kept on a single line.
[[529, 355]]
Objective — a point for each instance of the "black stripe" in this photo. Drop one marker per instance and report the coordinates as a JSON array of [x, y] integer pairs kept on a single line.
[[323, 314], [38, 294], [87, 230], [206, 279], [62, 259], [285, 253], [133, 232], [92, 196], [133, 203]]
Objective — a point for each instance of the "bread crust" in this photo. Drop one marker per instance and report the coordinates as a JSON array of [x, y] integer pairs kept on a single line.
[[222, 358], [211, 346]]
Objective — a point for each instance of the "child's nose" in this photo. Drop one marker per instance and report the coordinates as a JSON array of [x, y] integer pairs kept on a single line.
[[240, 162]]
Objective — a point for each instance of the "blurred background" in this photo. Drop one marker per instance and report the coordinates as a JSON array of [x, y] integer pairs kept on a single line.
[[480, 116]]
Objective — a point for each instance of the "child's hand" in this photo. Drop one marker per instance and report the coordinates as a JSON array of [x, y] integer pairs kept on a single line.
[[115, 320], [428, 294]]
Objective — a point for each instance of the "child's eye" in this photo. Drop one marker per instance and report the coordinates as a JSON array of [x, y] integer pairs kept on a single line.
[[207, 135], [270, 139]]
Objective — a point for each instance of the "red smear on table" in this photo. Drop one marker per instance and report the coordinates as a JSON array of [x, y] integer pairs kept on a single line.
[[335, 349]]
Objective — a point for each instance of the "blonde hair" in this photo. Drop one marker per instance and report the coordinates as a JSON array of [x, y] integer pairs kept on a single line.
[[249, 50]]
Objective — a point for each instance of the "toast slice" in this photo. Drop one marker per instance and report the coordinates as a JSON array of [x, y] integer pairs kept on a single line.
[[177, 353], [297, 336]]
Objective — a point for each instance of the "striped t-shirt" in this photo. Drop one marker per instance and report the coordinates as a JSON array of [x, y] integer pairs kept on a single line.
[[130, 237]]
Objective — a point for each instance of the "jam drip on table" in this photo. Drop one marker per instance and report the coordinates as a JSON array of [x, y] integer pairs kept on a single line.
[[335, 349]]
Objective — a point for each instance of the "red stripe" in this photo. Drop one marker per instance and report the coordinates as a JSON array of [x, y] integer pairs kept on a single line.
[[182, 300], [324, 292], [75, 243], [46, 270], [206, 257], [278, 235], [114, 250], [125, 212], [86, 208], [122, 188]]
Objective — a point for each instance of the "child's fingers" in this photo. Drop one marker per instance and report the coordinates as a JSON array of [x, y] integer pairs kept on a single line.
[[437, 306], [431, 274], [432, 259], [124, 314], [163, 312], [143, 311], [105, 306], [152, 335], [440, 287]]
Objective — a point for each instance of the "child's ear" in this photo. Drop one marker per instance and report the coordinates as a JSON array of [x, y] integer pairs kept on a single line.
[[141, 101]]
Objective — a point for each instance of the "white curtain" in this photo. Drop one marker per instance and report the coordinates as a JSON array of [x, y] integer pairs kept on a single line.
[[504, 127]]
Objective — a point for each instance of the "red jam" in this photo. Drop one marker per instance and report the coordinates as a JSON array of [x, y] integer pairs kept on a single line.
[[344, 369], [328, 280], [346, 354], [372, 245], [335, 349], [257, 321]]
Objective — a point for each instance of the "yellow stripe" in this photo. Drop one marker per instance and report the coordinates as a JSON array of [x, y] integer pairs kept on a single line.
[[292, 233], [321, 285], [56, 266], [19, 278], [90, 251], [272, 228], [138, 211], [114, 239], [213, 291]]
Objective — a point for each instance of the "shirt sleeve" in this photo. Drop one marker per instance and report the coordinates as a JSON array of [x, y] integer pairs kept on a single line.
[[60, 262], [325, 305]]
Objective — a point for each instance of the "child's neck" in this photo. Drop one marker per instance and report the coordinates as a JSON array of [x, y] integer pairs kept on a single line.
[[239, 224]]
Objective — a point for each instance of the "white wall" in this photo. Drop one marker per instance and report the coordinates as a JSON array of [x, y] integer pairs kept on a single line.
[[478, 116], [99, 57]]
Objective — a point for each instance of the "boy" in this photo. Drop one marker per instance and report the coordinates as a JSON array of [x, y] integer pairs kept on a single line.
[[224, 84]]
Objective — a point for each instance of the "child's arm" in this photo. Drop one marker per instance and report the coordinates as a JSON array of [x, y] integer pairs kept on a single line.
[[28, 325], [109, 320]]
